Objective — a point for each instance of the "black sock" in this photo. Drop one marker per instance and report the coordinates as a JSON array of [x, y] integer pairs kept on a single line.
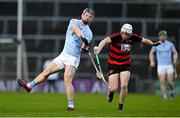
[[111, 93], [171, 87], [120, 106]]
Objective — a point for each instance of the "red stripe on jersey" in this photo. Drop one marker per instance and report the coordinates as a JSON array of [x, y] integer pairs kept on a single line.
[[119, 63], [120, 56], [117, 50]]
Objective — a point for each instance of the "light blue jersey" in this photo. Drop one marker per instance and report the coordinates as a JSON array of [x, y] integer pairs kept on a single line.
[[73, 43], [164, 53]]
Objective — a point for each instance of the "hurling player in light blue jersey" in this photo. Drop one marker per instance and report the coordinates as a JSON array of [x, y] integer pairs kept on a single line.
[[166, 55], [78, 37], [73, 42]]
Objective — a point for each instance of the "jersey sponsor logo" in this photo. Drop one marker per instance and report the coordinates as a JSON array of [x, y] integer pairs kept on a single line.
[[125, 47]]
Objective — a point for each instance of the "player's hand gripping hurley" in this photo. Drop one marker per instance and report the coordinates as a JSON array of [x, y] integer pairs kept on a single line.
[[99, 66]]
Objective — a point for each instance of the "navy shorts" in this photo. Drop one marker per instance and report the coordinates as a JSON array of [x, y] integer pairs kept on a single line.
[[113, 69]]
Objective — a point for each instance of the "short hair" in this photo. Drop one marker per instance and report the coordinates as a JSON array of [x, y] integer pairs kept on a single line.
[[163, 32], [89, 10]]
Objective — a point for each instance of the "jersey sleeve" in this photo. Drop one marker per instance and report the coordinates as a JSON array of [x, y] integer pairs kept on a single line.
[[153, 49], [114, 36], [172, 47], [136, 38], [73, 21]]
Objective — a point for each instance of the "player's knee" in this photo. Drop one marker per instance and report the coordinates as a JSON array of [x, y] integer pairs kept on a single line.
[[67, 78], [68, 75], [124, 87], [162, 81], [113, 88]]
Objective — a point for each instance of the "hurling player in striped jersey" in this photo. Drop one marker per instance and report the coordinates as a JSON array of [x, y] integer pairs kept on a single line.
[[119, 59]]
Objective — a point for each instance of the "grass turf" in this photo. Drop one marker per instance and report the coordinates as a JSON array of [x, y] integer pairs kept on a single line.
[[39, 104]]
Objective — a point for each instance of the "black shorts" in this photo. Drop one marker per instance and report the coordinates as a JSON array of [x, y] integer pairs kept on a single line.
[[112, 69]]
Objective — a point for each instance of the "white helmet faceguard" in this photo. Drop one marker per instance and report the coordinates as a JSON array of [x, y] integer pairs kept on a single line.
[[127, 28]]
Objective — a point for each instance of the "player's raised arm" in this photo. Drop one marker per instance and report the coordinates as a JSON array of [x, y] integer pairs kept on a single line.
[[80, 34], [149, 42], [102, 44], [76, 30]]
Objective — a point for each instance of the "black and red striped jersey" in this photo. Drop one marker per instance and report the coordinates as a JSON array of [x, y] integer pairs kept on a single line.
[[120, 49]]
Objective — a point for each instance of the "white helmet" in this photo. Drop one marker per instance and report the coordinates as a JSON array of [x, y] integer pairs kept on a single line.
[[127, 28]]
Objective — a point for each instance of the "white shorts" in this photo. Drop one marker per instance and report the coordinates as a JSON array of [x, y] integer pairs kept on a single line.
[[66, 59], [165, 69]]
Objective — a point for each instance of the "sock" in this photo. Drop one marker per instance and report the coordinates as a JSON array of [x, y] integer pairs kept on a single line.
[[71, 103], [172, 91], [171, 87], [120, 106], [165, 96], [31, 84], [111, 93]]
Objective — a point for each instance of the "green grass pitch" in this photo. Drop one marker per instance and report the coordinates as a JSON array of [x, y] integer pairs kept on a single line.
[[39, 104]]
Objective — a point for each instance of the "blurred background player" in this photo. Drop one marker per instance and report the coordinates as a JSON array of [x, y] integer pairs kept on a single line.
[[69, 58], [166, 55], [51, 81], [119, 59]]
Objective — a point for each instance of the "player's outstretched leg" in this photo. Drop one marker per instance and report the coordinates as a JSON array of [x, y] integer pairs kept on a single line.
[[68, 77], [171, 85], [163, 86], [124, 78], [52, 68], [113, 85]]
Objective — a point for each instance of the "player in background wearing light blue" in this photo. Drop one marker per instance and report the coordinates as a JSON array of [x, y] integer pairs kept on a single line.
[[69, 58], [166, 55]]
